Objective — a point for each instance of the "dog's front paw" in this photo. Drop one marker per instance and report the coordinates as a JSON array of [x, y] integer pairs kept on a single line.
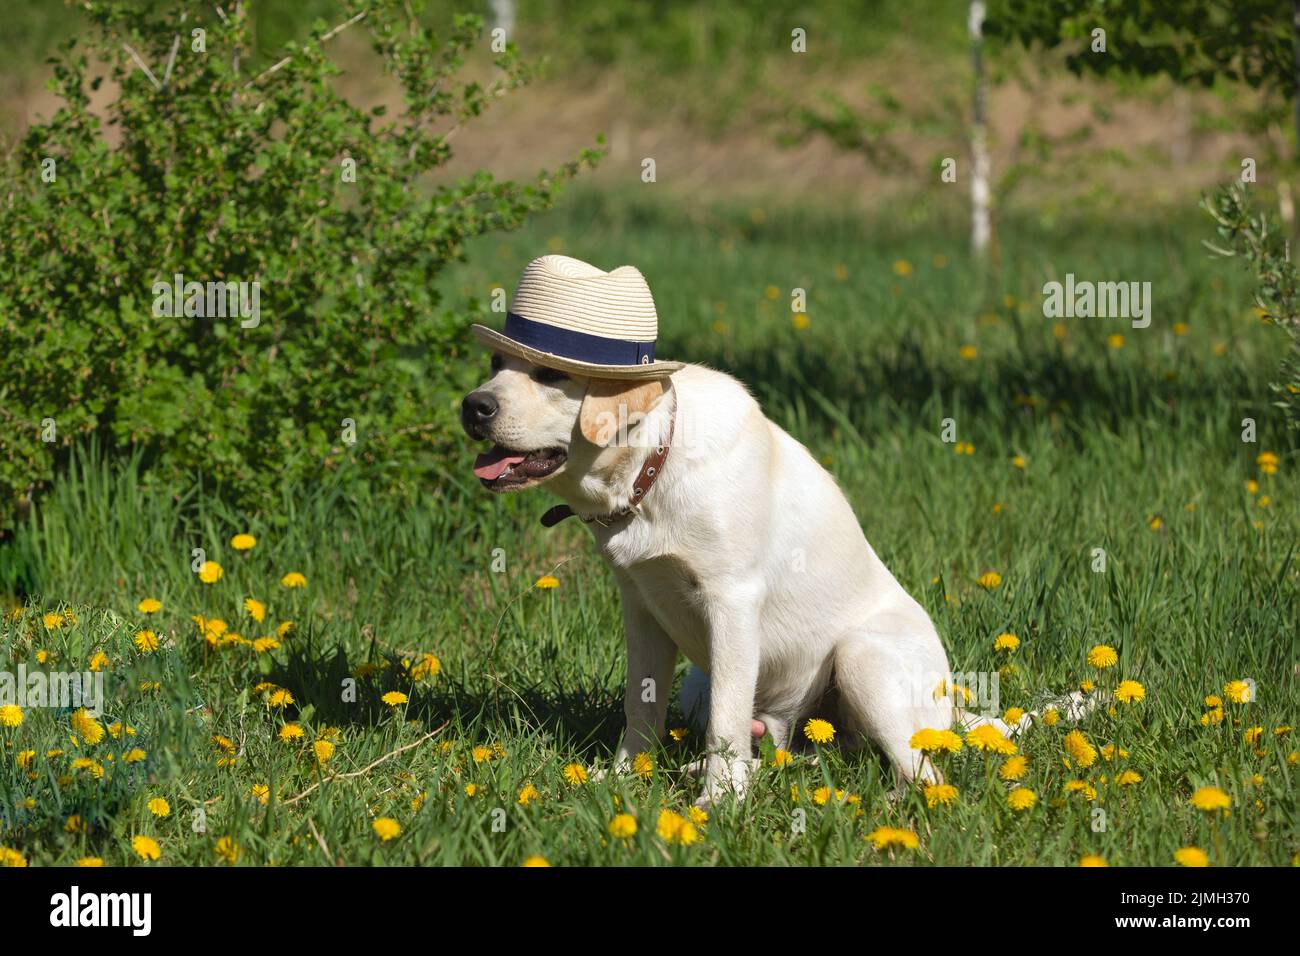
[[724, 778]]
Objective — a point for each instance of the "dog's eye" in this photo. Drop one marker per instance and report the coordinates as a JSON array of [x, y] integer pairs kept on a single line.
[[549, 376], [497, 362]]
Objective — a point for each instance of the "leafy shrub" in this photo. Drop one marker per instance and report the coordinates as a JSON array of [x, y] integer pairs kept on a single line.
[[1267, 254], [217, 174]]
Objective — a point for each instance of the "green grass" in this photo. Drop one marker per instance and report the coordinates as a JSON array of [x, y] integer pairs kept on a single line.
[[1111, 438]]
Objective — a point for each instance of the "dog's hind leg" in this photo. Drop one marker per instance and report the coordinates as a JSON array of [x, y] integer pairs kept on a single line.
[[886, 685]]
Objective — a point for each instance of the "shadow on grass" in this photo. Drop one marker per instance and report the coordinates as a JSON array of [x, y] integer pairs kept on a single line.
[[905, 376], [586, 720]]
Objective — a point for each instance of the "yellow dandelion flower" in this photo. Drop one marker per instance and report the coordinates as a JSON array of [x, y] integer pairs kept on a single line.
[[643, 765], [968, 352], [698, 816], [1006, 642], [290, 732], [528, 794], [623, 826], [149, 606], [1130, 691], [678, 733], [1191, 856], [428, 666], [11, 715], [52, 621], [819, 731], [210, 572], [1021, 798], [294, 579], [1103, 656], [87, 727], [885, 837], [675, 828], [902, 268], [940, 794], [1210, 799], [535, 860], [146, 641], [394, 698], [280, 697], [1051, 716], [1013, 768], [1013, 715], [782, 758], [227, 849], [575, 774], [933, 741], [546, 582], [243, 542], [256, 609], [323, 750], [89, 861], [1092, 860], [989, 738], [1080, 750], [386, 828], [1239, 691], [989, 580], [260, 792], [146, 847]]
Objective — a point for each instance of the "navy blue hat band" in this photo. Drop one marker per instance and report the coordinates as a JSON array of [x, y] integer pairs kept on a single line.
[[580, 346]]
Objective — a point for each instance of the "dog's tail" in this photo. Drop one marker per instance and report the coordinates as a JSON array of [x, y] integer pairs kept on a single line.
[[1071, 707]]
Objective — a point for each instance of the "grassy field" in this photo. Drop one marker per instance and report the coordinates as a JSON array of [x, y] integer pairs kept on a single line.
[[1088, 435]]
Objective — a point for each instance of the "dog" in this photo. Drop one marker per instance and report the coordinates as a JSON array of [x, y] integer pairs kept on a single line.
[[745, 557]]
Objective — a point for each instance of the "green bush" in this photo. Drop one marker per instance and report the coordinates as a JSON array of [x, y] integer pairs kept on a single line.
[[1266, 252], [219, 175]]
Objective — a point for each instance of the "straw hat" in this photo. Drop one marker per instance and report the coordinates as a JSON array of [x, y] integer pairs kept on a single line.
[[568, 315]]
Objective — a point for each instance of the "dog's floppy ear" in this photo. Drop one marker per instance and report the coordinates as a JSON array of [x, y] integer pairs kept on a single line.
[[612, 407]]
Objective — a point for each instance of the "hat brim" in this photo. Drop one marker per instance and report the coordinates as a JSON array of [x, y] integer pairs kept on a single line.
[[495, 340]]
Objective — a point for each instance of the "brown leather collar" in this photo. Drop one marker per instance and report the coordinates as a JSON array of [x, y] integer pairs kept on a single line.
[[646, 477]]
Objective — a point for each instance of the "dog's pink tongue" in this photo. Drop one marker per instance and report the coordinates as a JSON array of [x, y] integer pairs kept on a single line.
[[493, 462]]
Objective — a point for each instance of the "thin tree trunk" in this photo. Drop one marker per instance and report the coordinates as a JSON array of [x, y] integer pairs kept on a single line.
[[980, 193], [503, 16], [1295, 59]]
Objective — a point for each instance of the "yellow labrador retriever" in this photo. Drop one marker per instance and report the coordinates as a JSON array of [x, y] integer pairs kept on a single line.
[[741, 553]]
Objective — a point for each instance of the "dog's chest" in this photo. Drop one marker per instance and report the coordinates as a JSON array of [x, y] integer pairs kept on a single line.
[[669, 589]]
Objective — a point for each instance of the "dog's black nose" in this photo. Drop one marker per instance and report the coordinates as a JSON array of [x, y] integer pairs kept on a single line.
[[476, 411]]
